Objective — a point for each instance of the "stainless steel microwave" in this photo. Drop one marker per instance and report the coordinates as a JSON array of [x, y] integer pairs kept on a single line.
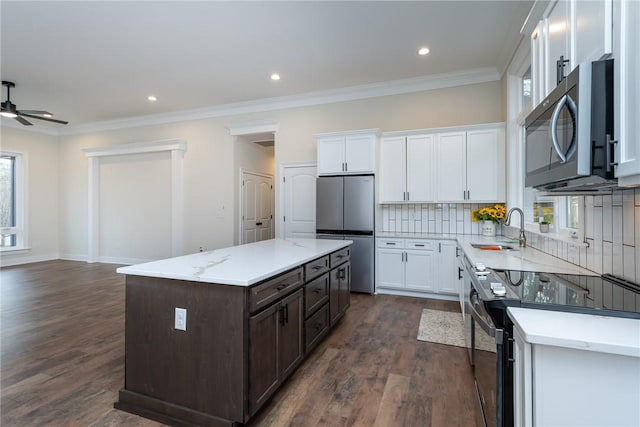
[[569, 143]]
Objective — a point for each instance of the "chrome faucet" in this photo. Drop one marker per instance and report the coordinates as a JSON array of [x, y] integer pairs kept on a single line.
[[522, 240]]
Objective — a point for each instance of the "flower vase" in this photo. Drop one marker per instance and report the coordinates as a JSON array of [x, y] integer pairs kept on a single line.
[[488, 228]]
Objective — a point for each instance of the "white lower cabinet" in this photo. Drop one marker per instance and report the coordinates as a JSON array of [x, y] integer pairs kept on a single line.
[[417, 265], [557, 384]]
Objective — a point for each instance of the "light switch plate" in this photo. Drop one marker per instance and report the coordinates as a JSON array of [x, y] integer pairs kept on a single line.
[[181, 319]]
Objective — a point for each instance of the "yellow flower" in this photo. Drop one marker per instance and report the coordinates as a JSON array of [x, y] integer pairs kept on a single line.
[[493, 213]]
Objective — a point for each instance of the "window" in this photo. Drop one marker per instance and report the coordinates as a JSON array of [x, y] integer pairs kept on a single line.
[[12, 207], [525, 100]]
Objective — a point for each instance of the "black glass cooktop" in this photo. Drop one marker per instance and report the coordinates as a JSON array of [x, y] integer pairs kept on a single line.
[[608, 294]]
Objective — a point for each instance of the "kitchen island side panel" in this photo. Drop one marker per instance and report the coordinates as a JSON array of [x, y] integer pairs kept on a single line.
[[201, 368]]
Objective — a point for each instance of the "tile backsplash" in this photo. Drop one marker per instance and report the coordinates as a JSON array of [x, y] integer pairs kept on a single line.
[[612, 230], [448, 218]]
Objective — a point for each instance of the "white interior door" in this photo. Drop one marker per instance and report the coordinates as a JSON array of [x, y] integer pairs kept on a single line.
[[257, 207], [298, 202]]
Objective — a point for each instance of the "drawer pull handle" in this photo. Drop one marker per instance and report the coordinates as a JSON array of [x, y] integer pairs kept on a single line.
[[281, 287], [339, 256], [317, 326], [391, 243], [317, 290], [258, 223], [419, 246], [317, 267]]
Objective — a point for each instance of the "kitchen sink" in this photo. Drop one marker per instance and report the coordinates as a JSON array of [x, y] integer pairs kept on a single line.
[[494, 247]]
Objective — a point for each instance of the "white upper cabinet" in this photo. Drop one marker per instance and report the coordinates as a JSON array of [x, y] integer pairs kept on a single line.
[[452, 167], [420, 170], [471, 166], [463, 164], [558, 31], [579, 31], [406, 172], [485, 165], [393, 169], [346, 153], [592, 29], [627, 90]]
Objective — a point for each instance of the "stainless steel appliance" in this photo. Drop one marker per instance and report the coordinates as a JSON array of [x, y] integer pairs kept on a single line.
[[569, 137], [492, 328], [345, 209]]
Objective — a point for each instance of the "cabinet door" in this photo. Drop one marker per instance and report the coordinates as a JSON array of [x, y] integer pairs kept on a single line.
[[522, 381], [345, 286], [334, 295], [390, 268], [592, 32], [451, 167], [290, 334], [420, 274], [263, 355], [359, 153], [627, 91], [447, 268], [485, 166], [331, 155], [538, 65], [420, 173], [393, 169], [558, 31]]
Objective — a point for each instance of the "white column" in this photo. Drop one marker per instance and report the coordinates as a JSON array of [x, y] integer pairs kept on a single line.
[[93, 225], [177, 208]]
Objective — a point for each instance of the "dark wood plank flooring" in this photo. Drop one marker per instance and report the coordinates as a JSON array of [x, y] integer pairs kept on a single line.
[[62, 359]]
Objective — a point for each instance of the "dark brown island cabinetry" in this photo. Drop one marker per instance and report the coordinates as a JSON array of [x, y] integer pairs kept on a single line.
[[240, 344]]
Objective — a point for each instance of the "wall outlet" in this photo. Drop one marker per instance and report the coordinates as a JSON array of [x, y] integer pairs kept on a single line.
[[181, 319]]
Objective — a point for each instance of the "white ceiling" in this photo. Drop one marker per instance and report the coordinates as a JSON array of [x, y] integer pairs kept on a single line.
[[96, 61]]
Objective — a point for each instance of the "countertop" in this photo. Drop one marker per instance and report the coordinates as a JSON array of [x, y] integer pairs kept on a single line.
[[242, 265], [604, 334], [525, 259]]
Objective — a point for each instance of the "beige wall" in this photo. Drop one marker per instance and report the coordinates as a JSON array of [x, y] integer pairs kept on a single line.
[[210, 167], [42, 154]]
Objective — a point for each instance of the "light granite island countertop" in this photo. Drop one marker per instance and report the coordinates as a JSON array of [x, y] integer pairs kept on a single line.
[[209, 337], [242, 265]]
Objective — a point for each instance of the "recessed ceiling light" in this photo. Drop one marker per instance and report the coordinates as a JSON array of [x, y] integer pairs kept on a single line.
[[152, 98], [275, 76], [423, 51]]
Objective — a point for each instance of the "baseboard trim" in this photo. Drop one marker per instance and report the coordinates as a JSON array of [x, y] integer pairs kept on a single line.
[[8, 260], [400, 292]]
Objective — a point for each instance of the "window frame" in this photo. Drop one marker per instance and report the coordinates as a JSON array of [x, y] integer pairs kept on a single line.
[[20, 230], [517, 115]]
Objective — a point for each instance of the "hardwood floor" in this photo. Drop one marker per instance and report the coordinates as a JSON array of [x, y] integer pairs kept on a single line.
[[62, 359]]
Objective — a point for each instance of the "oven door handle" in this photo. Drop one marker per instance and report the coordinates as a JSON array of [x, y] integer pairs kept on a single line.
[[487, 326]]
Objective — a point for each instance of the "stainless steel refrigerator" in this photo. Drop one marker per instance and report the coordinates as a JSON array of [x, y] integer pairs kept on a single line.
[[345, 209]]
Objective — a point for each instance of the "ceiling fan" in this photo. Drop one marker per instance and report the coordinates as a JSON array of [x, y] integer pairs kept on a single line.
[[9, 110]]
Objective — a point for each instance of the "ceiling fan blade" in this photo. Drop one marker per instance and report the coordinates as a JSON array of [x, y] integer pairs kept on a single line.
[[37, 112], [62, 122], [23, 121]]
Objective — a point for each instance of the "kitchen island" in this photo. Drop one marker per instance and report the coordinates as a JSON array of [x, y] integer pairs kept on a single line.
[[209, 337]]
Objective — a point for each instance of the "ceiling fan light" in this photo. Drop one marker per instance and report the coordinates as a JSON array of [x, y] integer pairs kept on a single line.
[[8, 114], [47, 115]]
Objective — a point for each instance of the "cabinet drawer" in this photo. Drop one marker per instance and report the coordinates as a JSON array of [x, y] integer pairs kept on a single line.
[[391, 243], [316, 293], [426, 245], [316, 267], [273, 289], [338, 257], [316, 327]]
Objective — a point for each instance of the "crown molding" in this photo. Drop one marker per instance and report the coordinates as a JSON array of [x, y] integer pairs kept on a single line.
[[10, 123], [252, 128], [395, 87]]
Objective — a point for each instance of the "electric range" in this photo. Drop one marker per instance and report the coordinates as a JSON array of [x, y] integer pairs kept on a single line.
[[491, 330]]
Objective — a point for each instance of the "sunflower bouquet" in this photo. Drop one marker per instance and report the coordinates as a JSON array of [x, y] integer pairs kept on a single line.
[[495, 213]]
